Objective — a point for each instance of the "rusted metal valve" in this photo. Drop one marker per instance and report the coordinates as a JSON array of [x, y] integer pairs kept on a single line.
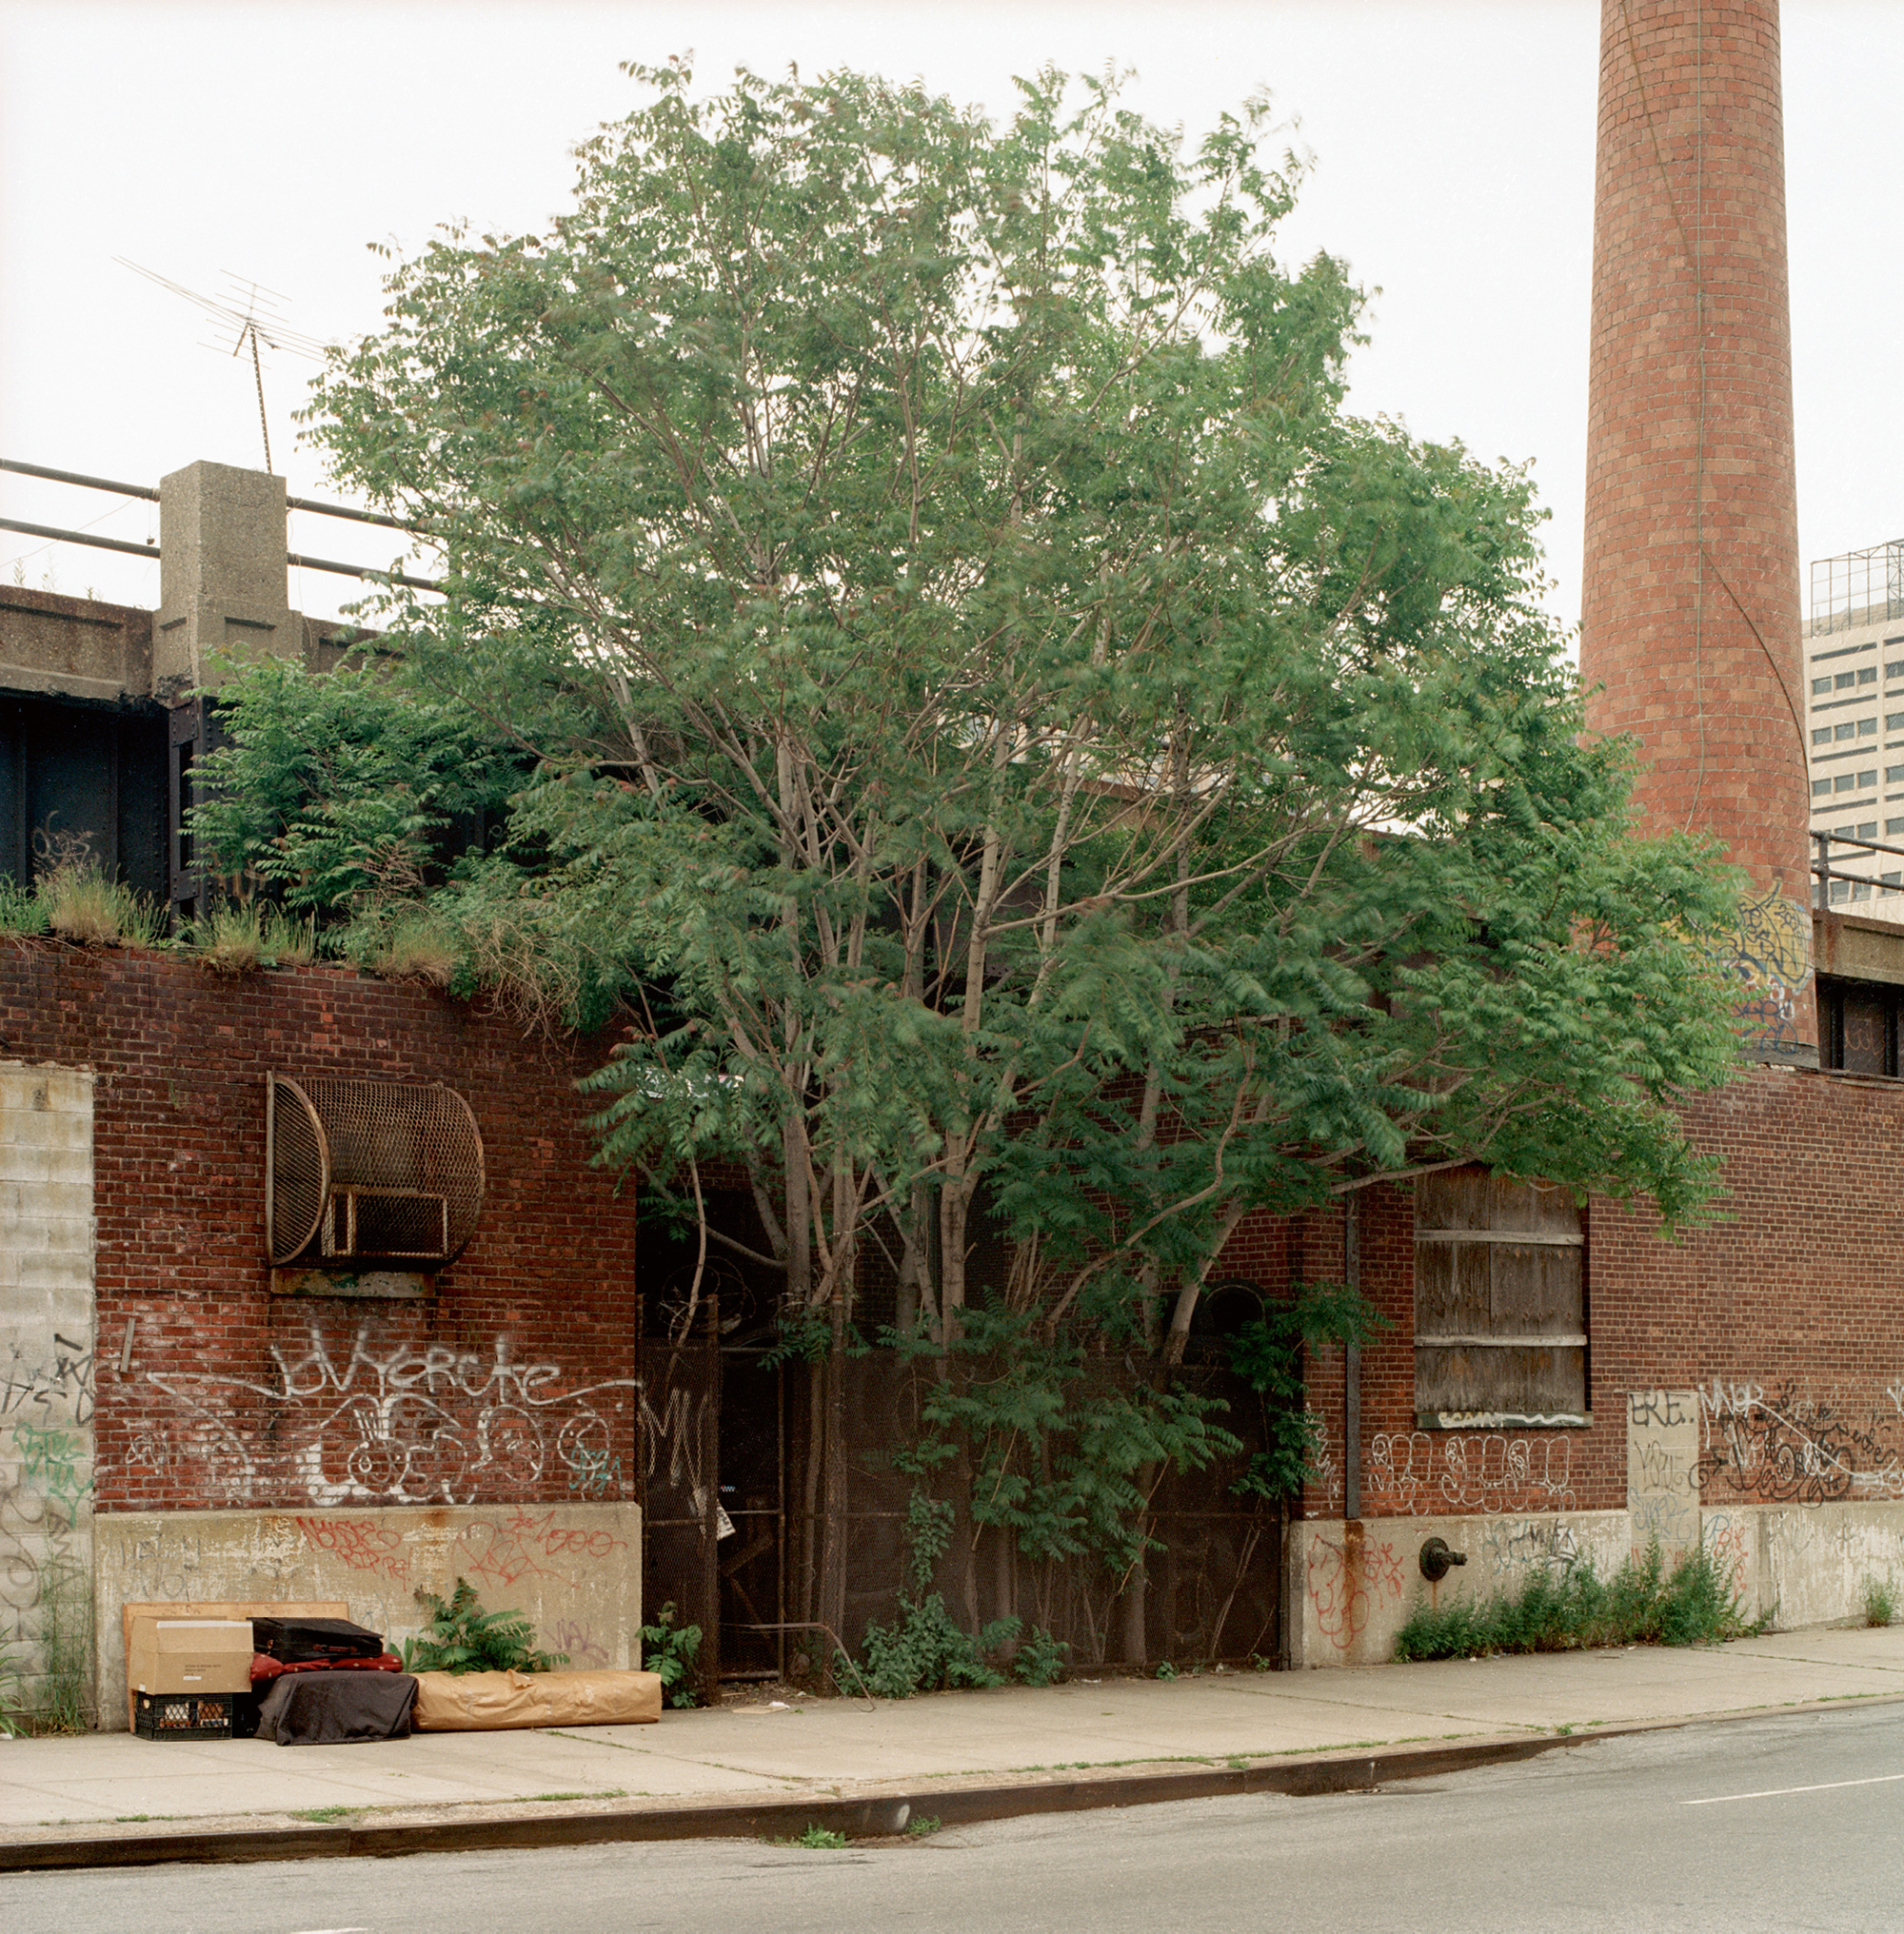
[[1437, 1558]]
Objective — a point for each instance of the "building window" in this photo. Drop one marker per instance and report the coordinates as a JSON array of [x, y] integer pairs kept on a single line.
[[1857, 1025], [1820, 685], [1893, 721], [1500, 1300], [1894, 670], [1844, 781], [1891, 879], [1848, 730], [1845, 681], [1867, 728], [1893, 775], [1840, 889], [1893, 827], [1820, 787], [1821, 735], [1867, 829], [1867, 675], [1867, 778]]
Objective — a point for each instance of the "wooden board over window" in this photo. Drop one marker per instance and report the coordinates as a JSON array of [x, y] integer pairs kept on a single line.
[[1499, 1301]]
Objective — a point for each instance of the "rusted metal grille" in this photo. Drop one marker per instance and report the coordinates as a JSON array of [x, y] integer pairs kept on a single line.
[[370, 1171]]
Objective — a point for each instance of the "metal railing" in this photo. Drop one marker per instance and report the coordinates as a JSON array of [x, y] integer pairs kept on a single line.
[[59, 535], [1858, 587], [1827, 878]]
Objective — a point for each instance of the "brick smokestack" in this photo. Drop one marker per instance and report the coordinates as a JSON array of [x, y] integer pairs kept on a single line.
[[1689, 615]]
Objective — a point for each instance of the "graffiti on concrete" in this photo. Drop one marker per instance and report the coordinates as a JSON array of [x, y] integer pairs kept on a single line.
[[368, 1422], [1411, 1474], [577, 1641], [503, 1551], [1724, 1538], [1516, 1545], [1662, 1463], [1345, 1583], [45, 1495], [49, 1383]]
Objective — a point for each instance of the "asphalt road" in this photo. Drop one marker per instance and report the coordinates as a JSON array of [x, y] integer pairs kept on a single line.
[[1785, 1823]]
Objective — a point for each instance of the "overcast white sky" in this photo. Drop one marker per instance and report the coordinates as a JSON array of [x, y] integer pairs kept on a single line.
[[1453, 149]]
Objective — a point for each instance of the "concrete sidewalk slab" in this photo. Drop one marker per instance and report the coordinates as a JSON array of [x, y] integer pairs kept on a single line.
[[112, 1798]]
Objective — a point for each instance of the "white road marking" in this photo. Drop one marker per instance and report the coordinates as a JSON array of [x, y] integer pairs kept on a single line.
[[1778, 1792]]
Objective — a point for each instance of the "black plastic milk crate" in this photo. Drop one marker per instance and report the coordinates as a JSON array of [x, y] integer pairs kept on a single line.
[[183, 1715]]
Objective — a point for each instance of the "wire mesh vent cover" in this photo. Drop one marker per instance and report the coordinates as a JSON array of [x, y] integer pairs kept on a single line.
[[368, 1172]]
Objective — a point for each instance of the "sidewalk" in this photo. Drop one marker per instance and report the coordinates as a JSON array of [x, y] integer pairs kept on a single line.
[[113, 1799]]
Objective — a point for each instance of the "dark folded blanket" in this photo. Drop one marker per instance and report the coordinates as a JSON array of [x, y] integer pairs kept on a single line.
[[332, 1709]]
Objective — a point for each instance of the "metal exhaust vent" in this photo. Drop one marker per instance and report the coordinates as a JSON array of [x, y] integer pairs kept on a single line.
[[368, 1172]]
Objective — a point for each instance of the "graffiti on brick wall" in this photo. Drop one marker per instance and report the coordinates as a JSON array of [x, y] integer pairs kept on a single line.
[[1775, 1444], [1344, 1585], [1325, 1468], [1770, 955], [1412, 1473], [369, 1422]]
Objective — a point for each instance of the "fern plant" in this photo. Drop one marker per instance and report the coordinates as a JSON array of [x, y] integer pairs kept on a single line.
[[462, 1637]]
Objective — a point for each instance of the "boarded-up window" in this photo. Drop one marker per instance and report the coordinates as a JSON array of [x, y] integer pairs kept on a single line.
[[1499, 1301]]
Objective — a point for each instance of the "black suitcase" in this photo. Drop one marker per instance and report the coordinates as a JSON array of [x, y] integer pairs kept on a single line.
[[297, 1641]]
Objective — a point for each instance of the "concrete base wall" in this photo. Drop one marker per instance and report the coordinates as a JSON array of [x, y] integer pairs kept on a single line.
[[1352, 1585], [573, 1570], [46, 1386]]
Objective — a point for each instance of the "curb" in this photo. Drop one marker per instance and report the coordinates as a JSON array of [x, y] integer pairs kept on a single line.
[[865, 1816]]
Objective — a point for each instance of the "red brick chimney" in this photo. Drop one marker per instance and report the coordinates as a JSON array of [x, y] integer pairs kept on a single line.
[[1689, 613]]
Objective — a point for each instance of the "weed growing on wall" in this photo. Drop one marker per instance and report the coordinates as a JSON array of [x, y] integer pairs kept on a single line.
[[82, 902], [13, 1696], [22, 911], [1639, 1604], [1267, 1354], [243, 937], [462, 1637], [65, 1650], [1880, 1601], [669, 1651]]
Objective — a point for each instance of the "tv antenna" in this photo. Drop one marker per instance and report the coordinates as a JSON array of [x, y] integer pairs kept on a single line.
[[246, 313]]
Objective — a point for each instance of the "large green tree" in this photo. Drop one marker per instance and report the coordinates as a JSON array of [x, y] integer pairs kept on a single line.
[[1007, 736]]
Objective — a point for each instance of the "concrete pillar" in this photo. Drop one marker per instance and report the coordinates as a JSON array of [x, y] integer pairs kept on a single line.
[[224, 589], [1690, 606]]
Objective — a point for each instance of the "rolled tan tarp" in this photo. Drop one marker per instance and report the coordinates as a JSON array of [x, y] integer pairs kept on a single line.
[[488, 1702]]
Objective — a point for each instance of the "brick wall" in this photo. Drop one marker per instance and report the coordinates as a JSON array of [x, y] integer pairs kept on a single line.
[[513, 1382], [1690, 613], [1785, 1320]]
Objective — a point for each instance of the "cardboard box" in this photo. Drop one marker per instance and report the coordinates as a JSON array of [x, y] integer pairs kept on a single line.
[[190, 1655]]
